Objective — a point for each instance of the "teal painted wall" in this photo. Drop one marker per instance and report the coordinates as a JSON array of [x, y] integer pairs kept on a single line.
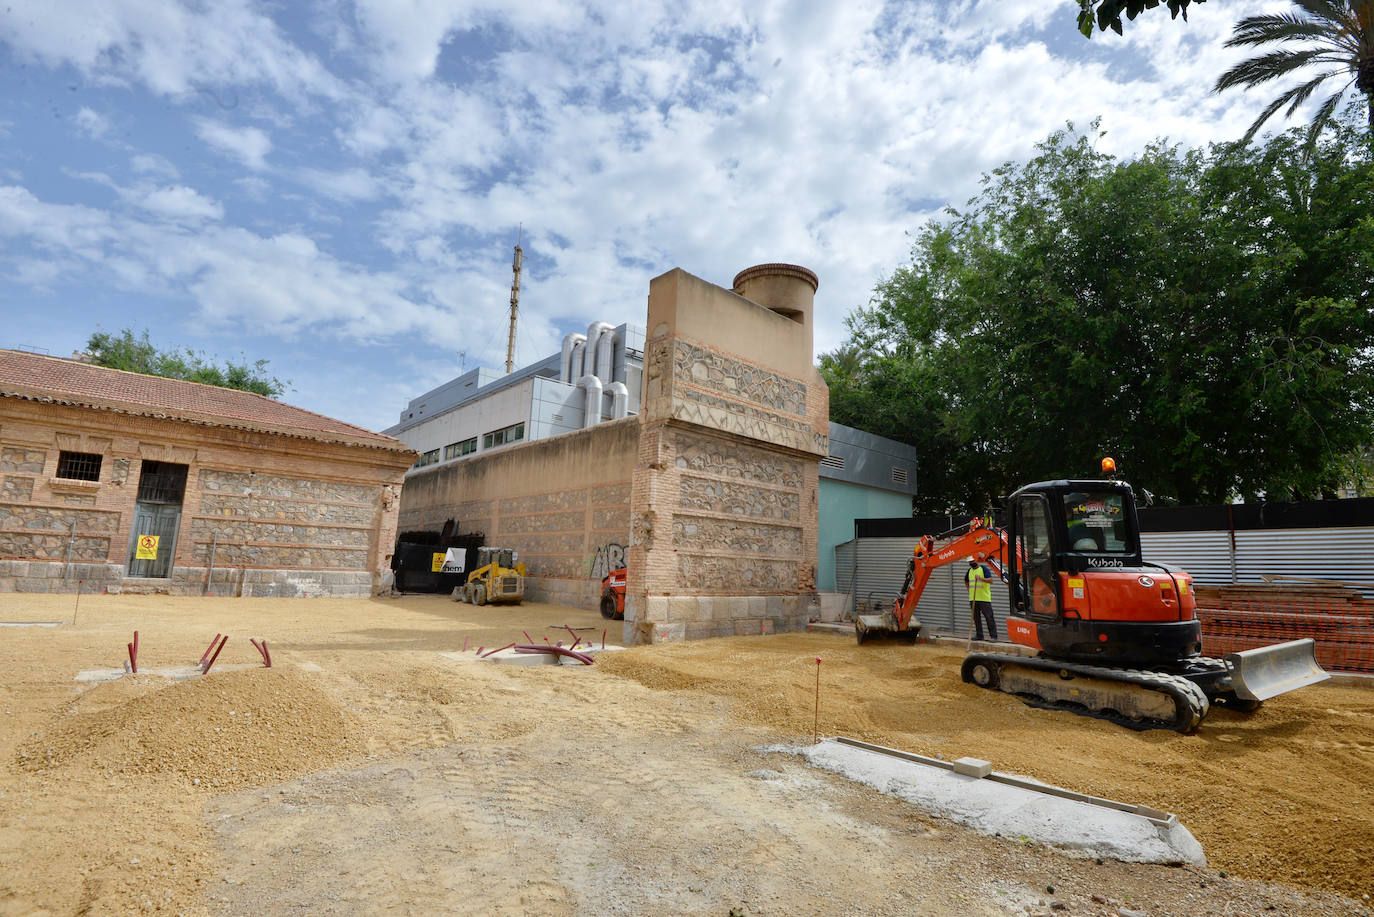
[[840, 504]]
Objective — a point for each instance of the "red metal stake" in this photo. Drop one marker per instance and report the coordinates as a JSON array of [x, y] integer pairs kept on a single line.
[[262, 651], [603, 639], [576, 638], [206, 655], [816, 723], [527, 636], [135, 656], [465, 644], [205, 669], [506, 647]]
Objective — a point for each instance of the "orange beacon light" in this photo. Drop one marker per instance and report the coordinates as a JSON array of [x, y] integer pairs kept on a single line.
[[1109, 465]]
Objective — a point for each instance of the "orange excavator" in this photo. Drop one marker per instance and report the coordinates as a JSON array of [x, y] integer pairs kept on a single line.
[[1095, 627]]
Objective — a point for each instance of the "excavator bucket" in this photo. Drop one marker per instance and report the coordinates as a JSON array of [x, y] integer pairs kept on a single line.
[[1269, 671], [884, 627]]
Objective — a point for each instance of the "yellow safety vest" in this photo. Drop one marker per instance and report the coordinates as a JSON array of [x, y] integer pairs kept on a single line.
[[979, 587]]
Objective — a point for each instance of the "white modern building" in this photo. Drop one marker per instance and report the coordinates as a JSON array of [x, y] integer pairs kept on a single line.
[[594, 377]]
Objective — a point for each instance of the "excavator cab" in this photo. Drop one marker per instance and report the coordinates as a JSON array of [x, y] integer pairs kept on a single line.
[[1082, 590]]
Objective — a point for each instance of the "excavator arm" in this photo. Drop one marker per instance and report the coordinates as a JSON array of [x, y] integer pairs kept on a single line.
[[978, 539]]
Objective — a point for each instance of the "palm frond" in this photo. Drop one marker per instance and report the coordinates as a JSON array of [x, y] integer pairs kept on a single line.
[[1337, 11], [1260, 30], [1271, 66], [1323, 117]]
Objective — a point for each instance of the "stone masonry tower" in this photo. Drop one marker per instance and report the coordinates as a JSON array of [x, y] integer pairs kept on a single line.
[[734, 422]]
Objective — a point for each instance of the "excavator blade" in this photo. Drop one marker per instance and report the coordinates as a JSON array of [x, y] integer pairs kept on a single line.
[[1269, 671]]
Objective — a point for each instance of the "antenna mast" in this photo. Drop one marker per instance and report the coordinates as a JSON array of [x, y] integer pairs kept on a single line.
[[514, 301]]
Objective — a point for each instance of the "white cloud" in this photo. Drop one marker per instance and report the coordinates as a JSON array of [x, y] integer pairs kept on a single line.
[[282, 284], [345, 185], [181, 204], [627, 138], [92, 123], [172, 48], [249, 145], [153, 164]]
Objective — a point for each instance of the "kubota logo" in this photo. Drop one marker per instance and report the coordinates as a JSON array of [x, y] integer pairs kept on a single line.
[[1146, 581]]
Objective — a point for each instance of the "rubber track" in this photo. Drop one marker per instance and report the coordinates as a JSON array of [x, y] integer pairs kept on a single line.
[[1189, 700]]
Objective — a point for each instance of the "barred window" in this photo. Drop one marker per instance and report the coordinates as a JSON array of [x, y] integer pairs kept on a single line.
[[79, 466], [162, 482]]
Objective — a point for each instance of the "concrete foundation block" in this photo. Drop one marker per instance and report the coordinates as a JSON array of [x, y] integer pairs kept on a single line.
[[30, 584], [972, 767], [668, 633], [655, 608], [682, 608], [834, 606], [758, 606], [774, 608]]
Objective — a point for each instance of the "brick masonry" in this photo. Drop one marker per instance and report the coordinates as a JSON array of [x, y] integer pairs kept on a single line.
[[563, 503], [724, 504], [277, 514], [709, 495]]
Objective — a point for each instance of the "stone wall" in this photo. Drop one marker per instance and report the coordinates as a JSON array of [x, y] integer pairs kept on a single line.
[[563, 503], [724, 518], [275, 515]]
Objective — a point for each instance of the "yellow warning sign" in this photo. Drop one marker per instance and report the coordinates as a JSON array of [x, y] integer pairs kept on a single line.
[[436, 563], [147, 547]]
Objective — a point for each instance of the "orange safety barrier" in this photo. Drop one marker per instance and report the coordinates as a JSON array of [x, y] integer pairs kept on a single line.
[[1343, 629]]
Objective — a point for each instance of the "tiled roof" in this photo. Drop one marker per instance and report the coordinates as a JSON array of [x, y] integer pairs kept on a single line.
[[39, 377]]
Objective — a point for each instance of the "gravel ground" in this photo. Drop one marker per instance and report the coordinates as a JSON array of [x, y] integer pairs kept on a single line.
[[365, 773]]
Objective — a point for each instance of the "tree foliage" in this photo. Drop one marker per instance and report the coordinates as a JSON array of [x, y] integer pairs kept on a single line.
[[1106, 14], [1327, 39], [137, 354], [1202, 316]]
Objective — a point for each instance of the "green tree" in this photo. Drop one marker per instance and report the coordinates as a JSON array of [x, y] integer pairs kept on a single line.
[[1106, 14], [1334, 36], [139, 355], [1202, 316]]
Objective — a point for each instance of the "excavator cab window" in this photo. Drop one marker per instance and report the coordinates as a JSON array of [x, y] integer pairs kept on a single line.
[[1037, 590], [1097, 522]]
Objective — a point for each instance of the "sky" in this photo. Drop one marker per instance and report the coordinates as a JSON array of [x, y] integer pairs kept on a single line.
[[336, 186]]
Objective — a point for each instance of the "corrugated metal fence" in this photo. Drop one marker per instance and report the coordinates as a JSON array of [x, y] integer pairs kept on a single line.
[[1343, 554], [872, 566]]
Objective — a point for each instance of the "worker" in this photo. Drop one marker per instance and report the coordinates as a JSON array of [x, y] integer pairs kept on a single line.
[[978, 580]]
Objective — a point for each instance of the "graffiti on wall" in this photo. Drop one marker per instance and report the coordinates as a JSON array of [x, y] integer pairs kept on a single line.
[[609, 556]]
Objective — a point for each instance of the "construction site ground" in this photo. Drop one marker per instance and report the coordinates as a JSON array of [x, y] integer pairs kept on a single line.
[[366, 773]]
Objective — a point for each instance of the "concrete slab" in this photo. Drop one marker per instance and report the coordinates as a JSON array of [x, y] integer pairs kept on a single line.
[[511, 657], [994, 808], [30, 623], [179, 673]]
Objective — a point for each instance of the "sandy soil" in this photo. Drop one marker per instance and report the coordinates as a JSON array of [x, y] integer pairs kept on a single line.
[[365, 773]]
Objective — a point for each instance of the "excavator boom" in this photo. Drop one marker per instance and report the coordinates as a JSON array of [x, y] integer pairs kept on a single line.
[[978, 539]]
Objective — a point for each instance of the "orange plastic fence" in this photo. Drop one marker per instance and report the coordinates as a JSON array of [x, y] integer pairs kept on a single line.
[[1343, 631]]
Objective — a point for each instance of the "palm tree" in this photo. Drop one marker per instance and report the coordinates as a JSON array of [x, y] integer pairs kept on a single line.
[[1337, 35]]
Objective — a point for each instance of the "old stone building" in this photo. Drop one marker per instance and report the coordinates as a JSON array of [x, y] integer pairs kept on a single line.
[[122, 481], [709, 495]]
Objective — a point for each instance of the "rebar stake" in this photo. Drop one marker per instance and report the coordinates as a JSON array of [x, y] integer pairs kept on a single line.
[[816, 723]]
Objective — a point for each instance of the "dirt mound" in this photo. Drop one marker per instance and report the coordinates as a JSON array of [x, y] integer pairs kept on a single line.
[[223, 731]]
